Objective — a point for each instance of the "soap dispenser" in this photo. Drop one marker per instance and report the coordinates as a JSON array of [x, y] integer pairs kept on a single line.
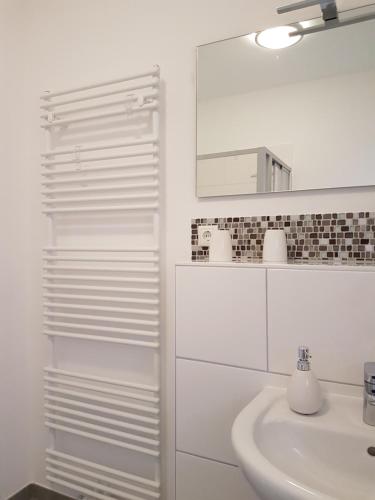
[[304, 392]]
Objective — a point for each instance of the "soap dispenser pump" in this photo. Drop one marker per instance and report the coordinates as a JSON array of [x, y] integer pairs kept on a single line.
[[304, 392]]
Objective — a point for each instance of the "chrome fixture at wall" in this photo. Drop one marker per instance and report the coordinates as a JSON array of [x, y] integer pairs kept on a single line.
[[330, 16], [369, 394]]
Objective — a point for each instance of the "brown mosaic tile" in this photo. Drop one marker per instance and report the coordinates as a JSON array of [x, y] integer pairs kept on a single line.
[[337, 238]]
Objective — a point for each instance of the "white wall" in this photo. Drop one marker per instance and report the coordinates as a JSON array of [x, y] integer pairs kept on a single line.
[[67, 42], [15, 279], [322, 129]]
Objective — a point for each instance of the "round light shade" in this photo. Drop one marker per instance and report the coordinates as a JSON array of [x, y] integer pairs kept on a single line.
[[277, 38]]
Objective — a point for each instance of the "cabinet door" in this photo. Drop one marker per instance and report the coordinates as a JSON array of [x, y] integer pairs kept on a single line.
[[221, 315], [331, 311]]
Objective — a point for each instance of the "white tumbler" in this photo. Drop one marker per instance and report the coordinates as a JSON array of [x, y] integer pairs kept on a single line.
[[220, 247], [274, 246]]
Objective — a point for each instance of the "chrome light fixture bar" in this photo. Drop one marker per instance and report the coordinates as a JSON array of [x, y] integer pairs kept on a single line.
[[328, 7], [330, 16]]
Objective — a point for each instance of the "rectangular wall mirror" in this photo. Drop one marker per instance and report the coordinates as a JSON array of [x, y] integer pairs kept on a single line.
[[285, 119]]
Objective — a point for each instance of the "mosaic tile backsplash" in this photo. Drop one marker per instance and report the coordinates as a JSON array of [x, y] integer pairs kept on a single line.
[[337, 238]]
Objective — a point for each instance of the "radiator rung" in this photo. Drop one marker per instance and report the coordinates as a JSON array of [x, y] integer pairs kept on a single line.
[[110, 319], [104, 430], [124, 310], [89, 416], [115, 442], [102, 409], [101, 338], [102, 478], [103, 468], [104, 390], [106, 380], [120, 300]]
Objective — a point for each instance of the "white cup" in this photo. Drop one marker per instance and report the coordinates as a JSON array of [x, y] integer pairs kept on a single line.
[[220, 246], [274, 246]]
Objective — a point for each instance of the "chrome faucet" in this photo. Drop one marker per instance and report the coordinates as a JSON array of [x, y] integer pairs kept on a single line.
[[369, 394]]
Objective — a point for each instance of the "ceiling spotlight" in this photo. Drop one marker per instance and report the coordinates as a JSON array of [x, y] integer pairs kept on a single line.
[[277, 38]]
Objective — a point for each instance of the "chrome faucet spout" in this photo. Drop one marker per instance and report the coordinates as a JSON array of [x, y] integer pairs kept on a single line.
[[369, 394]]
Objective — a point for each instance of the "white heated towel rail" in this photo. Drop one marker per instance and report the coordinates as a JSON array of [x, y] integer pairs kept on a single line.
[[102, 294]]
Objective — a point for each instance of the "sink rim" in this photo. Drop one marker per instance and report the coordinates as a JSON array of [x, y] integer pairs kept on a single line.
[[256, 466]]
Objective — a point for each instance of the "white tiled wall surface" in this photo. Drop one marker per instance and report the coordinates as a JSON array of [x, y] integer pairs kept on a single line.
[[238, 330], [201, 479], [333, 312], [209, 397], [222, 315]]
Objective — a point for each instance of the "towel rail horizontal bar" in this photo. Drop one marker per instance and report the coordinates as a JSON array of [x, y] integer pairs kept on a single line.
[[127, 98], [102, 468], [110, 319], [99, 399], [123, 310], [51, 95], [84, 178], [154, 83], [126, 154], [104, 420], [53, 468], [102, 439], [92, 199], [86, 149], [140, 270], [110, 329], [99, 338], [104, 430], [104, 390], [71, 121], [119, 208], [106, 380], [138, 291], [135, 260], [104, 250], [95, 298], [71, 277], [109, 411], [110, 187], [101, 477], [124, 279]]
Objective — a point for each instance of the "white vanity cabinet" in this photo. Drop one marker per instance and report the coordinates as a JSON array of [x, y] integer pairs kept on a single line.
[[238, 328]]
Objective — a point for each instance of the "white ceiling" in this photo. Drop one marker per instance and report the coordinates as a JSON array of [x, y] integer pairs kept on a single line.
[[238, 65]]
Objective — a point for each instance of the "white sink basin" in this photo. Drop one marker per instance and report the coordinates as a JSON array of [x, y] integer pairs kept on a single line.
[[286, 456]]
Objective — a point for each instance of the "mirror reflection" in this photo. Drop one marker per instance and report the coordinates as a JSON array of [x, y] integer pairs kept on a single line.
[[277, 112]]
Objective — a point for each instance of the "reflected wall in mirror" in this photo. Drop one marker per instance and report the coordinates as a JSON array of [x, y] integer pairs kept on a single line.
[[300, 117]]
